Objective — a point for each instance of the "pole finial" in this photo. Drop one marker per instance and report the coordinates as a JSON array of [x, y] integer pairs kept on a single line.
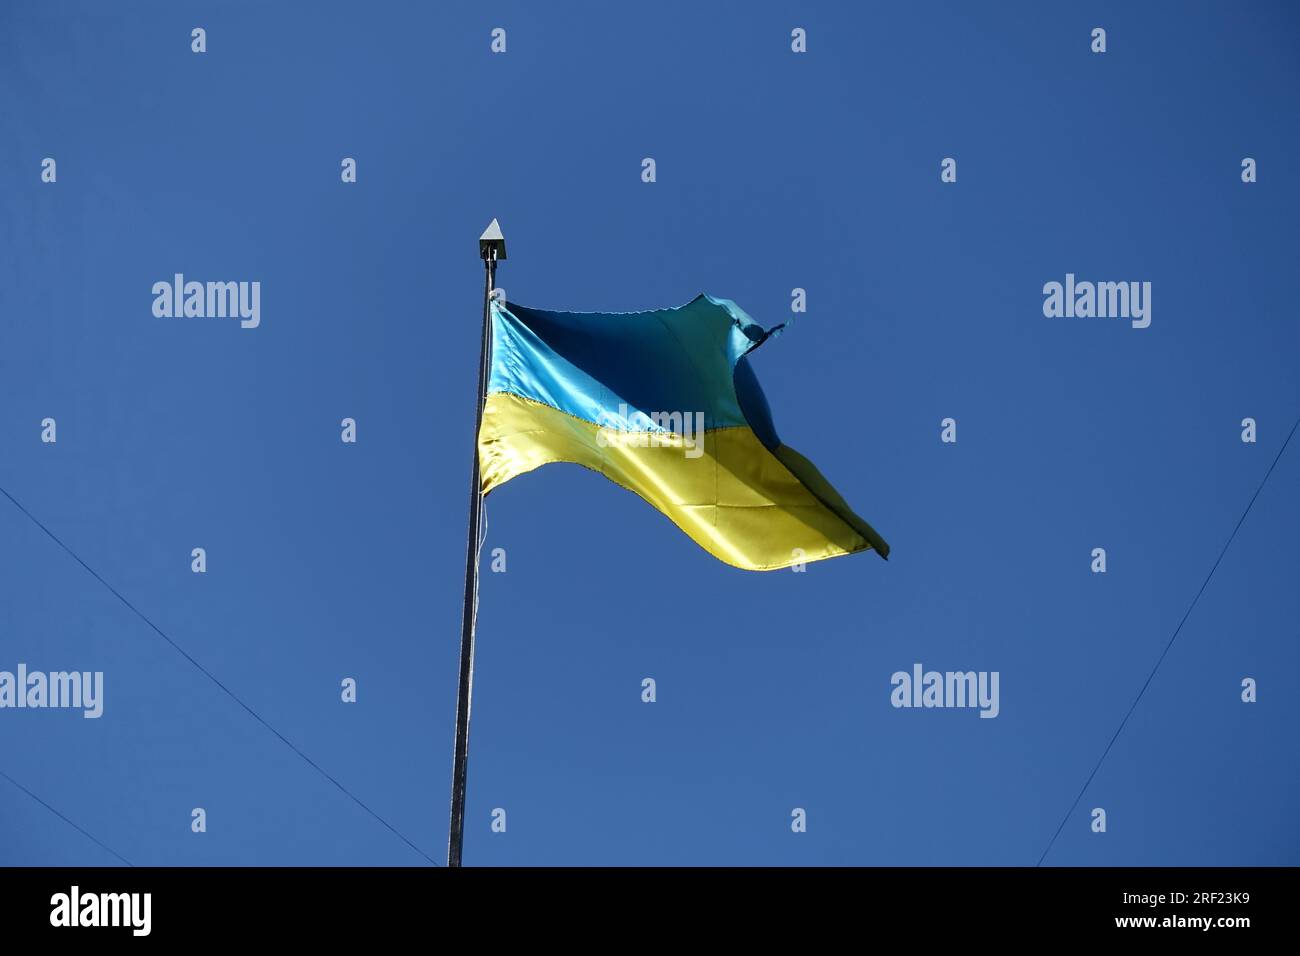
[[492, 245]]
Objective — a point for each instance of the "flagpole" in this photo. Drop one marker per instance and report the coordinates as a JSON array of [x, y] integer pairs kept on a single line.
[[491, 247]]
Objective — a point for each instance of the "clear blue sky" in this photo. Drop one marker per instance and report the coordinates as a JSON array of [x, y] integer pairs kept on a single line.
[[775, 171]]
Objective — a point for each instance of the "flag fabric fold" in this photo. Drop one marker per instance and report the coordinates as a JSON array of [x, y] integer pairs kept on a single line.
[[665, 404]]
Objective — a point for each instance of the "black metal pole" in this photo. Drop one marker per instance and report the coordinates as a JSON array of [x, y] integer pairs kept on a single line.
[[460, 761]]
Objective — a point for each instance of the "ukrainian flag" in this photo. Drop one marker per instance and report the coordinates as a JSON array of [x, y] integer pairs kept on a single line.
[[621, 394]]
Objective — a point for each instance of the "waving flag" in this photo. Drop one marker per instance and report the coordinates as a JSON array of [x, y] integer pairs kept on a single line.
[[665, 404]]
